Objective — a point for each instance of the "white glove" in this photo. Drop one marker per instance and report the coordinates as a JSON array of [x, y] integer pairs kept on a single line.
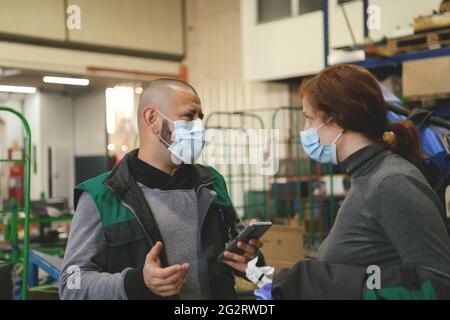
[[259, 275]]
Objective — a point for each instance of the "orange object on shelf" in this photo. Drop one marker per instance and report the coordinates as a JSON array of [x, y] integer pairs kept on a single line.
[[16, 174]]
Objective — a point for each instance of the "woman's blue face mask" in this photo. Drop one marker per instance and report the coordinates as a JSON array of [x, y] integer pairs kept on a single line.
[[323, 153], [188, 140]]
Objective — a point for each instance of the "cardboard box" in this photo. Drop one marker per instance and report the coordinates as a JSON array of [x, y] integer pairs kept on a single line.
[[426, 78], [283, 244], [242, 285], [43, 294], [283, 248]]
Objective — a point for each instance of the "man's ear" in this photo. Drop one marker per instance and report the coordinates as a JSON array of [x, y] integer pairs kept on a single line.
[[150, 119]]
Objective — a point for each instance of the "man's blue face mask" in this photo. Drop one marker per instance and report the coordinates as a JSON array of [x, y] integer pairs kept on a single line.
[[188, 140], [323, 153]]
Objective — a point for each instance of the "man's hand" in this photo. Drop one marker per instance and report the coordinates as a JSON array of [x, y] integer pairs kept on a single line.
[[165, 282], [239, 262]]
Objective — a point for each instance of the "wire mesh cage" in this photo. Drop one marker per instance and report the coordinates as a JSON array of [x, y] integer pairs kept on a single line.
[[235, 149], [299, 191]]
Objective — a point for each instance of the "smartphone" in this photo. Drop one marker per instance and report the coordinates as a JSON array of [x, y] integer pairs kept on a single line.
[[253, 231]]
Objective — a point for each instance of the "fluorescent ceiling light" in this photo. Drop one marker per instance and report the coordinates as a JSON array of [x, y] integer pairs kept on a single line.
[[68, 81], [17, 89]]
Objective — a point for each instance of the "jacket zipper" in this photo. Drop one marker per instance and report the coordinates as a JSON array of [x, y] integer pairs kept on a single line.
[[202, 186], [135, 215], [126, 205]]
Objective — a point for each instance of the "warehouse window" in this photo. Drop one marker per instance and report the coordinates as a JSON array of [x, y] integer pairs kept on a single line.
[[120, 108], [307, 6], [269, 10]]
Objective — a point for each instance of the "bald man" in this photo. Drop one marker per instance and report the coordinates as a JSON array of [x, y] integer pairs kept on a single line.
[[153, 227]]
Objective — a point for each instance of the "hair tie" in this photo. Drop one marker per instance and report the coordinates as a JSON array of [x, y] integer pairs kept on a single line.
[[390, 138]]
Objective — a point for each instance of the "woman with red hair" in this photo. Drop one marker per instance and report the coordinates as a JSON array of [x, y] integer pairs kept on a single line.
[[391, 216]]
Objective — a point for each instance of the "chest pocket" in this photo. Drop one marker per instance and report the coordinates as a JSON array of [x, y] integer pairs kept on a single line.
[[126, 246], [123, 233]]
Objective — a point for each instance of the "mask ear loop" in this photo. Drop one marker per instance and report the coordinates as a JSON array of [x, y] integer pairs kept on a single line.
[[168, 145], [334, 144], [325, 123], [338, 137], [163, 115]]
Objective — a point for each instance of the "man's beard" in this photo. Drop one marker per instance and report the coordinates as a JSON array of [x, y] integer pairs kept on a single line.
[[166, 134]]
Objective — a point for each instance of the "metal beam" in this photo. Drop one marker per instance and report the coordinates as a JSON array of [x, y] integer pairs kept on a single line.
[[7, 37], [326, 31], [366, 18]]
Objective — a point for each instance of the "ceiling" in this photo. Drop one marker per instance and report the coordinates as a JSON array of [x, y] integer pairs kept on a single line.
[[20, 77]]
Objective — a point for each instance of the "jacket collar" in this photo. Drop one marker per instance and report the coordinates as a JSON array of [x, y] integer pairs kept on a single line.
[[364, 160], [121, 178], [124, 186]]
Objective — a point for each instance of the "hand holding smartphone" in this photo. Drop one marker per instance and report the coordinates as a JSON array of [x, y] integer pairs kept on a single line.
[[253, 231]]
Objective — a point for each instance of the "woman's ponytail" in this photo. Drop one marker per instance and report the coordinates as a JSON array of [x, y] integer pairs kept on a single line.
[[404, 139]]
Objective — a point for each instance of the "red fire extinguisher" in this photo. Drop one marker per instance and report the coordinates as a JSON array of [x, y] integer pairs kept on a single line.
[[16, 180]]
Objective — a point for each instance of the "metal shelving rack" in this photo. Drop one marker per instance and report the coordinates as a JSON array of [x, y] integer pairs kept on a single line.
[[27, 179], [376, 63]]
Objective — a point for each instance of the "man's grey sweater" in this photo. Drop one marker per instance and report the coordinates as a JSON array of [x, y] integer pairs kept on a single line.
[[176, 214], [173, 202], [86, 240], [391, 216], [178, 218]]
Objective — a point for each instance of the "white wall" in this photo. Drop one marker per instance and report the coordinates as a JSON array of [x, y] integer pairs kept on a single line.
[[214, 60], [14, 132], [29, 106], [51, 120], [280, 49], [71, 126], [57, 134], [11, 132], [89, 124], [24, 17], [32, 112], [215, 69], [293, 46], [150, 25]]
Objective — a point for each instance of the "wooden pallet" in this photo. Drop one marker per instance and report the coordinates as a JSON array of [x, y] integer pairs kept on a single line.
[[419, 42], [434, 22]]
